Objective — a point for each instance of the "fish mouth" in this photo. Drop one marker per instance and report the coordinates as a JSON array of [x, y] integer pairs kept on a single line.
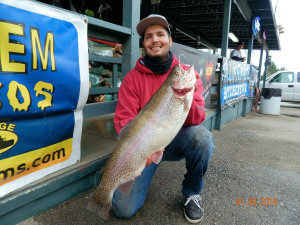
[[182, 92]]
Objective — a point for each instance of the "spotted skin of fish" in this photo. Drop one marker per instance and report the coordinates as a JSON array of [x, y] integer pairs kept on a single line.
[[150, 131]]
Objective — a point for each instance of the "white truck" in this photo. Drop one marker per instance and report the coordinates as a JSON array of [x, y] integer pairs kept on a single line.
[[288, 81]]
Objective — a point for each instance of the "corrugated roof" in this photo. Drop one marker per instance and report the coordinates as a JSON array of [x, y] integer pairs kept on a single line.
[[203, 20]]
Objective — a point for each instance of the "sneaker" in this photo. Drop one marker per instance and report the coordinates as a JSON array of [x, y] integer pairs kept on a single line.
[[193, 211]]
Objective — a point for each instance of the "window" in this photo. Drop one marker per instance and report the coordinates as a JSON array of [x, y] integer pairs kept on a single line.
[[284, 77], [298, 77]]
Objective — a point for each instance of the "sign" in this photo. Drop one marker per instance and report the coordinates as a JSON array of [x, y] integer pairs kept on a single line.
[[204, 63], [235, 82], [256, 25], [43, 88], [264, 36]]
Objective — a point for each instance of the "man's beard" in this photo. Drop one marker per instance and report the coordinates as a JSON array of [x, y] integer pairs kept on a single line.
[[159, 58]]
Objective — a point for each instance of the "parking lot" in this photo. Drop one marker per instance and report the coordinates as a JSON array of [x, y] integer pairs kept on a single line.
[[253, 178]]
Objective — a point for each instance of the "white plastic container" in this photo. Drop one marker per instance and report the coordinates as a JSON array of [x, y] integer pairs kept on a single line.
[[270, 101]]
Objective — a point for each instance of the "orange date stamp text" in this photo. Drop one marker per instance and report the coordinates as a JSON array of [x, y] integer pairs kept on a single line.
[[256, 201]]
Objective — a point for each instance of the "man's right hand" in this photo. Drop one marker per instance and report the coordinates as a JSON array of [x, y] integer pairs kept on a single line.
[[155, 157]]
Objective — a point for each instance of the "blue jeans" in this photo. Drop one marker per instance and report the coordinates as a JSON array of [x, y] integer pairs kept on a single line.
[[195, 145]]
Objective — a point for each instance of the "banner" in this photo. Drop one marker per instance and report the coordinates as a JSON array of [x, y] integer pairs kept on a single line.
[[253, 75], [235, 81], [204, 63], [43, 88]]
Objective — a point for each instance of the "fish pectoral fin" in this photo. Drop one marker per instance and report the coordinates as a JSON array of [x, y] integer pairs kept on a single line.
[[186, 104], [157, 156], [126, 187], [123, 131]]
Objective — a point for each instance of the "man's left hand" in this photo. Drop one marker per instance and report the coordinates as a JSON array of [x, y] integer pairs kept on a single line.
[[197, 77]]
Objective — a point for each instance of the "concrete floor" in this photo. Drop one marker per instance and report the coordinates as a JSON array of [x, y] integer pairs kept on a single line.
[[256, 157]]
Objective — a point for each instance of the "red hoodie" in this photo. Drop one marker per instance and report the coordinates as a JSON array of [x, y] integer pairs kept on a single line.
[[140, 84]]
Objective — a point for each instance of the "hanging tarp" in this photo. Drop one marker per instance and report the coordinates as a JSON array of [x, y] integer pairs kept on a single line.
[[235, 82], [43, 88], [205, 64], [253, 74]]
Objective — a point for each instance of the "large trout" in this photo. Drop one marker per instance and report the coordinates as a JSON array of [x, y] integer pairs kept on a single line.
[[149, 132]]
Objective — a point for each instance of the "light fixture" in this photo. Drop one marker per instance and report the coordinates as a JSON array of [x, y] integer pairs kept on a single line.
[[233, 37]]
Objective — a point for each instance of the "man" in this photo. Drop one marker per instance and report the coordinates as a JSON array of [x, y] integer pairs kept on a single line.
[[236, 54], [193, 142]]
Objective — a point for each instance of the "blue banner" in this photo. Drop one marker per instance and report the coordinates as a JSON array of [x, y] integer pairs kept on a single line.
[[43, 88], [235, 81], [29, 75], [233, 91]]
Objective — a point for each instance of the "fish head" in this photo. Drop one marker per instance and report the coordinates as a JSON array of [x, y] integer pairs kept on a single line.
[[182, 81]]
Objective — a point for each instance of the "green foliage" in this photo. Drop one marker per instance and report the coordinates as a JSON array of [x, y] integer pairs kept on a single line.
[[273, 69], [89, 13]]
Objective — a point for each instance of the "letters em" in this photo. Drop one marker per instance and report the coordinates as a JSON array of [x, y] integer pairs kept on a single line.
[[7, 29], [7, 66]]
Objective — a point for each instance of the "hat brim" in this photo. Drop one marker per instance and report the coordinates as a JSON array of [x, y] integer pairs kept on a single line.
[[143, 24]]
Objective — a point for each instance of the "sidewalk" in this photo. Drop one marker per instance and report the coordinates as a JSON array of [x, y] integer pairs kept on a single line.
[[256, 157]]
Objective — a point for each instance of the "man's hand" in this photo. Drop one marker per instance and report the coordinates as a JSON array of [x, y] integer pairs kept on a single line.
[[155, 157], [149, 161], [197, 77]]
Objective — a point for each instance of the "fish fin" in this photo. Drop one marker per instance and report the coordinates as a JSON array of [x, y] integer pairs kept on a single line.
[[126, 187], [157, 156], [101, 210], [186, 105], [123, 131]]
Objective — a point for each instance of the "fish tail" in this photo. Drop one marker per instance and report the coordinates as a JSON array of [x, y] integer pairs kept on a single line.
[[94, 206]]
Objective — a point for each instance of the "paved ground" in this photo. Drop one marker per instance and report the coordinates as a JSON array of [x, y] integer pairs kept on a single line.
[[257, 158]]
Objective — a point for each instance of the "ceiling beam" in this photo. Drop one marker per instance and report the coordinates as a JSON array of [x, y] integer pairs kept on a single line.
[[244, 9], [191, 34]]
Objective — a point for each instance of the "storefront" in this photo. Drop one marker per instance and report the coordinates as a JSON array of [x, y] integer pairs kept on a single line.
[[60, 75]]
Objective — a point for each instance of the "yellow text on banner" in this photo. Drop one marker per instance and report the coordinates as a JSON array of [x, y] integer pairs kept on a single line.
[[24, 164]]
